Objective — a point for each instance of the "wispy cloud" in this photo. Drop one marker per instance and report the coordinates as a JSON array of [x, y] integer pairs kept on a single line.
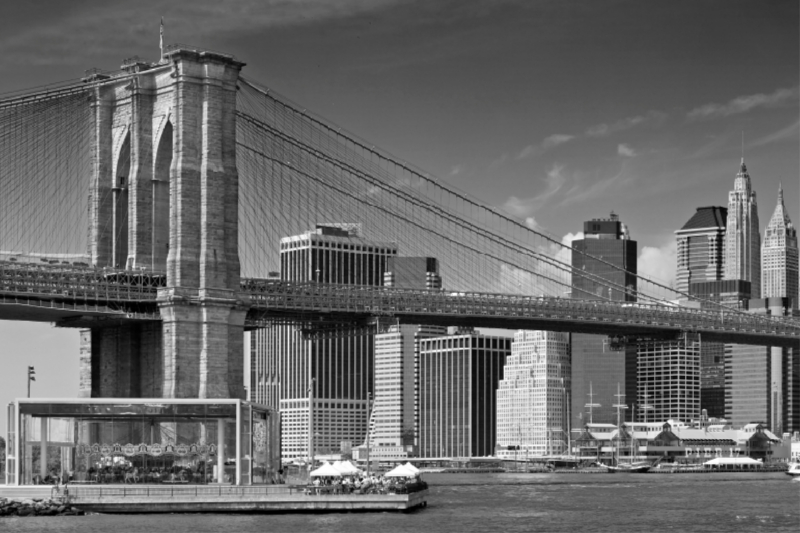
[[601, 130], [743, 104], [549, 142], [658, 263], [789, 132], [525, 207], [582, 190], [625, 151]]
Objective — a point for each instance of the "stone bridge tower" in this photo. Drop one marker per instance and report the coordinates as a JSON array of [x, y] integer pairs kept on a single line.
[[164, 198]]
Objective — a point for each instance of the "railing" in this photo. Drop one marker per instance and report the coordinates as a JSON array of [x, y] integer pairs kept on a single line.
[[306, 297], [78, 493], [74, 282]]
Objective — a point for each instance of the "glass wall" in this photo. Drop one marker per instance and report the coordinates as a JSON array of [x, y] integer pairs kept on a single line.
[[165, 443]]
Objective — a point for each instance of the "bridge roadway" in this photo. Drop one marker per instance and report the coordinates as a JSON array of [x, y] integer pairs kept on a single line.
[[79, 296]]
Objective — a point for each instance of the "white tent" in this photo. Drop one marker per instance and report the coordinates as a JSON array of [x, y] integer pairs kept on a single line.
[[412, 468], [733, 461], [346, 468], [400, 471], [326, 470]]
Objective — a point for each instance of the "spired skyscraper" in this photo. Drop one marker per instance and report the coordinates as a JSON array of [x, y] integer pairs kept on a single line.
[[742, 236], [779, 268]]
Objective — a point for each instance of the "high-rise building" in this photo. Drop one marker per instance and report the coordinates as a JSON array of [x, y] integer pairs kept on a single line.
[[533, 396], [779, 268], [762, 383], [603, 268], [458, 378], [668, 383], [742, 234], [413, 273], [701, 244], [394, 424], [734, 293], [289, 368]]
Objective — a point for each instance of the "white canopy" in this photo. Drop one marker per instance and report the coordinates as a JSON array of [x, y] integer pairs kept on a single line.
[[326, 470], [735, 461], [400, 471], [346, 468], [412, 468]]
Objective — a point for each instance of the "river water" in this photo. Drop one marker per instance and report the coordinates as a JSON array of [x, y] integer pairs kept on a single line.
[[511, 503]]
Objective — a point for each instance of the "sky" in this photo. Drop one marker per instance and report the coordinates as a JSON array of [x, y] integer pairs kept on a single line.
[[555, 112]]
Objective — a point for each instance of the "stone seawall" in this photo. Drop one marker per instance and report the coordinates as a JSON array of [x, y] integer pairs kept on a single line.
[[36, 507]]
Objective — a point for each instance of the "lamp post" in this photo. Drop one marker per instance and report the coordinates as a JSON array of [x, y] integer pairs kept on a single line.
[[31, 377]]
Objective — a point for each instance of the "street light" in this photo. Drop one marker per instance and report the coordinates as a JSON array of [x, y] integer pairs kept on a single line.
[[31, 377]]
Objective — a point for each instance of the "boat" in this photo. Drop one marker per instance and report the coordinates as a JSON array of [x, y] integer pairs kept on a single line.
[[639, 467], [794, 470]]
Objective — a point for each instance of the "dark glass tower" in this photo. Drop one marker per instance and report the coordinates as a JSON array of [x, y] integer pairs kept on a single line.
[[603, 268]]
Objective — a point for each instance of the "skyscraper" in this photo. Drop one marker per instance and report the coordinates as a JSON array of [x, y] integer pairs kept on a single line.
[[603, 267], [742, 234], [532, 397], [779, 268], [701, 244], [458, 377], [284, 361], [669, 380]]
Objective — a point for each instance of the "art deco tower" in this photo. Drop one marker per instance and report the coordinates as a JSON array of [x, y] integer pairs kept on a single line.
[[779, 256], [742, 237]]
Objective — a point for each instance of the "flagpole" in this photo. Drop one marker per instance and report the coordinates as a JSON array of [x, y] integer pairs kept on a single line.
[[161, 39]]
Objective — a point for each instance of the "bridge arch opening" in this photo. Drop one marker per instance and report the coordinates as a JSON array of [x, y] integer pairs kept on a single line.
[[161, 198], [120, 195]]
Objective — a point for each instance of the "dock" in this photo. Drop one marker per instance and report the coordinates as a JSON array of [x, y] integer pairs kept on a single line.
[[221, 499]]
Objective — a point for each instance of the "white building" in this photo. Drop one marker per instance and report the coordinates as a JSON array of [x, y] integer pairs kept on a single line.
[[779, 266], [532, 410], [742, 236]]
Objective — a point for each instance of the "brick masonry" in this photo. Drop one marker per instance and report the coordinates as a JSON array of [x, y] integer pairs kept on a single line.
[[182, 189]]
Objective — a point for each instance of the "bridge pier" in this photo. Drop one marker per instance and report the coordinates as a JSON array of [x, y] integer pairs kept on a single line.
[[165, 197]]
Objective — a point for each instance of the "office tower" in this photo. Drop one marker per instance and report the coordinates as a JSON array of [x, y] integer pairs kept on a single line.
[[458, 378], [701, 244], [606, 256], [734, 293], [742, 237], [669, 380], [284, 360], [413, 273], [761, 382], [533, 396], [393, 431], [779, 256]]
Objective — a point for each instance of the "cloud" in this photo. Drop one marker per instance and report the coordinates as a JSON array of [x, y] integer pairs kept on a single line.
[[456, 170], [602, 130], [659, 264], [533, 224], [789, 132], [564, 253], [625, 150], [743, 104], [549, 142], [525, 207]]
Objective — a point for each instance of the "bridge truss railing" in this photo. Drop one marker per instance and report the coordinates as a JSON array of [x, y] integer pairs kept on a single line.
[[376, 301], [59, 281]]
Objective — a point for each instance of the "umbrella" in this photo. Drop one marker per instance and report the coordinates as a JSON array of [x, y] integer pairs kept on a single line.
[[326, 470], [400, 471]]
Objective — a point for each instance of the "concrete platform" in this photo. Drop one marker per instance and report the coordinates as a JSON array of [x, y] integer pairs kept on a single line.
[[221, 499]]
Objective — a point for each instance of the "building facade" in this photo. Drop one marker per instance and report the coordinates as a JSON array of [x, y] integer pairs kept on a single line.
[[605, 256], [779, 268], [742, 234], [668, 380], [533, 396], [413, 273], [762, 383], [458, 378], [701, 244], [320, 381]]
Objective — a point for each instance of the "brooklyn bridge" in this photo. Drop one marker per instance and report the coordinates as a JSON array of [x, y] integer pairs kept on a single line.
[[146, 207]]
